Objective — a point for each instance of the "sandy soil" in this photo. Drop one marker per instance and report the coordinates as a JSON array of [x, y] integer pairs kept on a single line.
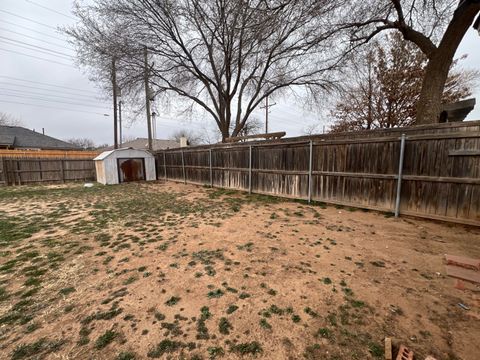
[[314, 282]]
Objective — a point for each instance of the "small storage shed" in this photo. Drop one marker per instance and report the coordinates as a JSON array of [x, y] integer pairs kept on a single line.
[[124, 165]]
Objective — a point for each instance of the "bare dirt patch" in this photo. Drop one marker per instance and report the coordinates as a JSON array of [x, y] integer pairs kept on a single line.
[[158, 270]]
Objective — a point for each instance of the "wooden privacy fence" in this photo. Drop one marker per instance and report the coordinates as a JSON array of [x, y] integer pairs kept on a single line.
[[426, 171], [50, 154], [18, 171]]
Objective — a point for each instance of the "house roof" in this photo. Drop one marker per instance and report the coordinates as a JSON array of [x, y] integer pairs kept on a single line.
[[142, 143], [7, 140], [19, 137]]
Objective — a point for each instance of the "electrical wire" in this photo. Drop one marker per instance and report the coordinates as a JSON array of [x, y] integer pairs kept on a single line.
[[27, 19], [33, 30], [45, 84], [21, 86], [89, 99], [50, 9], [40, 48], [50, 107], [51, 100], [36, 39], [37, 57]]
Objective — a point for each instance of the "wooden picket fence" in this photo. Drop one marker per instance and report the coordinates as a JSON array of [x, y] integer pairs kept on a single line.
[[27, 171], [427, 171]]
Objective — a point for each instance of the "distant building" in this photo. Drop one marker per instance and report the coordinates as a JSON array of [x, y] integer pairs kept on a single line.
[[142, 144], [17, 137]]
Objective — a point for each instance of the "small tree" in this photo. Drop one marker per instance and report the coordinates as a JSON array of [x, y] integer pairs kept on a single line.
[[83, 143], [192, 137], [9, 120], [435, 27], [387, 87]]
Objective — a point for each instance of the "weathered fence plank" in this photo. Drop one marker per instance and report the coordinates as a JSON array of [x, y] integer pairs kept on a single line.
[[18, 171], [440, 173]]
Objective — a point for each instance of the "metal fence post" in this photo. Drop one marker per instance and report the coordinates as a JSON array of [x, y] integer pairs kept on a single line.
[[250, 169], [183, 168], [400, 174], [210, 166], [310, 164], [165, 165]]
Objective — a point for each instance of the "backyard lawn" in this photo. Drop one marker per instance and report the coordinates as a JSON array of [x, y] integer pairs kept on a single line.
[[175, 271]]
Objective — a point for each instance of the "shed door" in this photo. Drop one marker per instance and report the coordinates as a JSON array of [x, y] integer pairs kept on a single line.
[[131, 169]]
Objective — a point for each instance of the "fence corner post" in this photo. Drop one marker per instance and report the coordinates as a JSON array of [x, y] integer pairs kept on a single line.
[[250, 169], [400, 174], [183, 168], [210, 166], [310, 165], [165, 165], [62, 171]]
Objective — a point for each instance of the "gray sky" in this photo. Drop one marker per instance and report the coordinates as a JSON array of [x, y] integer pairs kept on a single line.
[[68, 104]]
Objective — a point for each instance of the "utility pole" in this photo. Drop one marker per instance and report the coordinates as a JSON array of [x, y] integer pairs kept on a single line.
[[120, 121], [147, 99], [114, 86], [266, 115], [267, 111], [154, 124]]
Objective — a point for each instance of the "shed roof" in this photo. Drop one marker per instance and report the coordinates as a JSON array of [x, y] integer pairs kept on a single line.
[[25, 138], [106, 154]]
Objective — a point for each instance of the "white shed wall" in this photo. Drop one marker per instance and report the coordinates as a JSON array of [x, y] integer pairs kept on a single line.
[[150, 174], [111, 170], [100, 170], [106, 165]]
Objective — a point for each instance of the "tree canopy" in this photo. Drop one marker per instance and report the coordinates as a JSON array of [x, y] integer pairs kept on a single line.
[[224, 56], [387, 86]]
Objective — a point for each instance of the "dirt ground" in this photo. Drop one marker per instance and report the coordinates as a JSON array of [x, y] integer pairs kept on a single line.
[[173, 271]]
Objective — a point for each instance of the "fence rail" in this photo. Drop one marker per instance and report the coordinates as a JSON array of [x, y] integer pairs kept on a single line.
[[438, 175], [20, 171]]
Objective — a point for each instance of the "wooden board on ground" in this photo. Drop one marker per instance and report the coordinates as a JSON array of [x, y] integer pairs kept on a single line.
[[463, 274], [463, 262]]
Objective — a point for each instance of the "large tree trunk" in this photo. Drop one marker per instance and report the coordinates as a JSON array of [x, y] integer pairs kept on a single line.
[[430, 102]]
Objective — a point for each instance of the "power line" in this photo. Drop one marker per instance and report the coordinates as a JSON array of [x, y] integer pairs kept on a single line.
[[50, 107], [41, 48], [33, 30], [50, 9], [37, 57], [36, 50], [45, 84], [51, 100], [37, 39], [50, 90], [25, 18], [52, 95]]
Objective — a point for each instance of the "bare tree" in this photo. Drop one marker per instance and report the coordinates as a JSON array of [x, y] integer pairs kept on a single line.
[[9, 120], [436, 27], [252, 126], [387, 85], [223, 56], [192, 137], [83, 143]]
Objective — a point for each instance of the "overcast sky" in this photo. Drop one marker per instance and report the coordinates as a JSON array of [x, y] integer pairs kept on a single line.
[[45, 90]]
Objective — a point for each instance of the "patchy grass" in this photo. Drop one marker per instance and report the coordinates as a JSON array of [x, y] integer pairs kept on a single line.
[[209, 273]]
